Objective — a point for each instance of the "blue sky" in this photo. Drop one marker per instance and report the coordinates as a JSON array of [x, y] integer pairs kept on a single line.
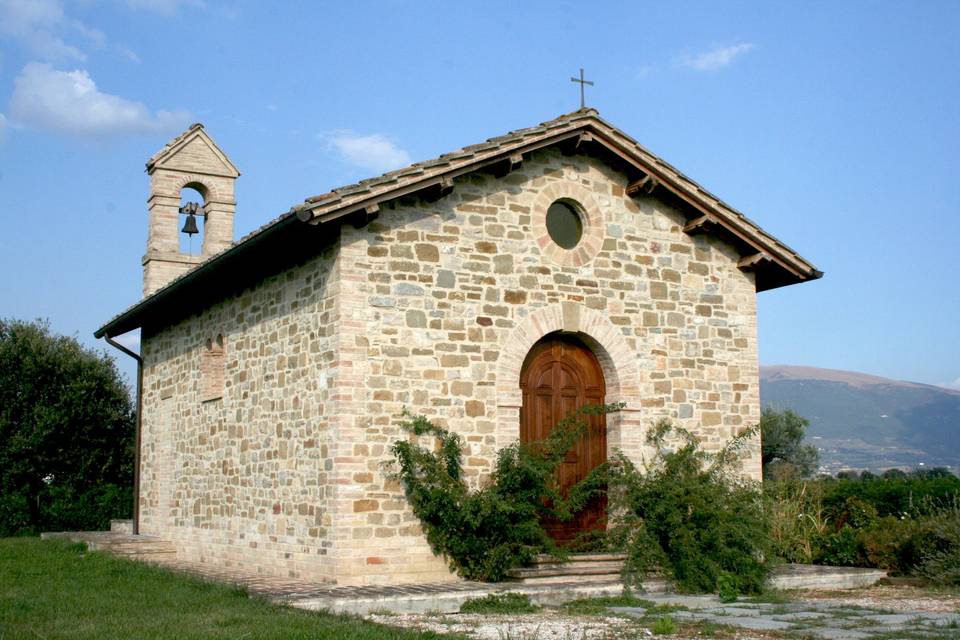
[[834, 125]]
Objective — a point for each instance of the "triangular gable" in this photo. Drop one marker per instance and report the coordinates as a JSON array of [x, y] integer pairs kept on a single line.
[[582, 131], [195, 151]]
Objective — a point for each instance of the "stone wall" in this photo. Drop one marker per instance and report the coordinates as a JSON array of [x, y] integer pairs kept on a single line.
[[454, 293], [432, 307], [244, 479]]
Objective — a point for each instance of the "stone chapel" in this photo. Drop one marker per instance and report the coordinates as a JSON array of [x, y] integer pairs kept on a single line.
[[492, 289]]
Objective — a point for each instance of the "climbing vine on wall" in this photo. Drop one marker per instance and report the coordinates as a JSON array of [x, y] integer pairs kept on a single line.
[[484, 532]]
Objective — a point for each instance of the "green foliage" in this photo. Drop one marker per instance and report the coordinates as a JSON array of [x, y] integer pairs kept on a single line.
[[601, 606], [727, 588], [500, 603], [912, 495], [66, 433], [689, 515], [784, 454], [797, 519], [664, 626], [53, 589], [483, 533], [840, 548], [903, 523], [938, 549]]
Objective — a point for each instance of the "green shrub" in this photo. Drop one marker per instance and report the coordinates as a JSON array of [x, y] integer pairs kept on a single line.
[[66, 433], [727, 588], [840, 548], [797, 519], [483, 533], [500, 603], [854, 512], [884, 544], [690, 515], [937, 549], [664, 626]]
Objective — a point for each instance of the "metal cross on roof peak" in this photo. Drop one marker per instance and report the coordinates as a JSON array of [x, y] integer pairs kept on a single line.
[[582, 82]]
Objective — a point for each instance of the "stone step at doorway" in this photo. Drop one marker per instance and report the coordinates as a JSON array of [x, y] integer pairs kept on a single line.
[[584, 568]]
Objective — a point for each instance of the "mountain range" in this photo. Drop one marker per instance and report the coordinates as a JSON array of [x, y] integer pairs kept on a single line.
[[860, 421]]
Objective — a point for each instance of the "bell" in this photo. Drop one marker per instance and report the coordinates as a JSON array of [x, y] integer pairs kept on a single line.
[[190, 225]]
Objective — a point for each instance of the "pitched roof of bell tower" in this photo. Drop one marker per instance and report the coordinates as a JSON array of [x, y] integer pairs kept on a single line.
[[193, 151]]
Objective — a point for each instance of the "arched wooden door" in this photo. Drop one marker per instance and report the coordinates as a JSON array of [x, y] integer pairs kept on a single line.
[[559, 375]]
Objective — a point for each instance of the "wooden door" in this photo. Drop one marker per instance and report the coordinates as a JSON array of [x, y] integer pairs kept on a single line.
[[559, 375]]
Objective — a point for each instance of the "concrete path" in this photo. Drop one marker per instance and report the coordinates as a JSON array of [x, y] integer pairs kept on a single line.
[[418, 598], [807, 618]]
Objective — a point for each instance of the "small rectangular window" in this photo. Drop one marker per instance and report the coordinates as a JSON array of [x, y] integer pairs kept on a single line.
[[212, 369]]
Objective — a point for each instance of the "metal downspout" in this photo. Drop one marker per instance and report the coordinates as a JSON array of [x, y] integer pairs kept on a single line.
[[136, 441]]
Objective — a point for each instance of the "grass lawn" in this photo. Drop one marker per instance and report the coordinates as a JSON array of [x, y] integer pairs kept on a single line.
[[54, 589]]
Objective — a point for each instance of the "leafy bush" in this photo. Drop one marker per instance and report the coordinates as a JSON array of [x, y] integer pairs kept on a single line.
[[484, 533], [783, 452], [500, 603], [937, 549], [727, 588], [884, 545], [840, 548], [899, 522], [689, 515], [66, 433], [797, 519]]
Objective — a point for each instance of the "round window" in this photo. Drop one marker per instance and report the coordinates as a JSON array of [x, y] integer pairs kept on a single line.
[[564, 224]]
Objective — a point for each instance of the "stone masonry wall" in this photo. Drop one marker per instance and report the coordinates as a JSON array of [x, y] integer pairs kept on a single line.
[[432, 307], [244, 480], [452, 294]]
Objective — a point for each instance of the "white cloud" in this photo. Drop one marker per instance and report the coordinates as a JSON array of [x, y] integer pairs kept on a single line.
[[715, 58], [3, 127], [952, 385], [375, 152], [38, 26], [167, 7], [69, 102]]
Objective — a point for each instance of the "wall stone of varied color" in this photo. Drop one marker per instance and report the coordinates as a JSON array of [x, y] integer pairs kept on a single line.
[[433, 307]]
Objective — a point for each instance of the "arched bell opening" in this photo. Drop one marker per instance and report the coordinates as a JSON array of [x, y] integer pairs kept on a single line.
[[561, 374], [192, 219]]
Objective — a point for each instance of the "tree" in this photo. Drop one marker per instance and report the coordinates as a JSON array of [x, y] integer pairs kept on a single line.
[[784, 454], [66, 433]]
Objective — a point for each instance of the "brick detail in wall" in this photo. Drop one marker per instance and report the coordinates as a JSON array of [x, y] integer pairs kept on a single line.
[[211, 369]]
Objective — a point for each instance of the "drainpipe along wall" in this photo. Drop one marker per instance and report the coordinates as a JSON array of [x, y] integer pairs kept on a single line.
[[136, 443]]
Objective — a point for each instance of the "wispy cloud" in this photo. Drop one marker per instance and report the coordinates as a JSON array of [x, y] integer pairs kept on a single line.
[[715, 58], [69, 102], [167, 7], [39, 25], [375, 152], [3, 128]]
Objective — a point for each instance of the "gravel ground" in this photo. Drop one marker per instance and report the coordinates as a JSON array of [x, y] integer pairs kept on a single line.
[[551, 624], [548, 625], [893, 598]]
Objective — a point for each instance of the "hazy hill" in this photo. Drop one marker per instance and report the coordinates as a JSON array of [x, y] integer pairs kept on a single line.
[[864, 421]]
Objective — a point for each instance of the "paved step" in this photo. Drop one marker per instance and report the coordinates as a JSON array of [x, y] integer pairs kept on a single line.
[[588, 568], [545, 558], [120, 544]]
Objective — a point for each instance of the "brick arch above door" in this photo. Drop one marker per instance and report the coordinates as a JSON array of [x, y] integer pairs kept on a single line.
[[617, 359]]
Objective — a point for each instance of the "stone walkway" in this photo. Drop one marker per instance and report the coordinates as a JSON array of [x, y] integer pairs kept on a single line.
[[438, 597], [806, 618]]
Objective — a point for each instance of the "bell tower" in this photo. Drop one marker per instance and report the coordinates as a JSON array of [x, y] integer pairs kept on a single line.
[[191, 161]]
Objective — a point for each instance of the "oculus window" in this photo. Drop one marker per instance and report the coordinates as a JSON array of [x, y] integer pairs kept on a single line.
[[564, 224]]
